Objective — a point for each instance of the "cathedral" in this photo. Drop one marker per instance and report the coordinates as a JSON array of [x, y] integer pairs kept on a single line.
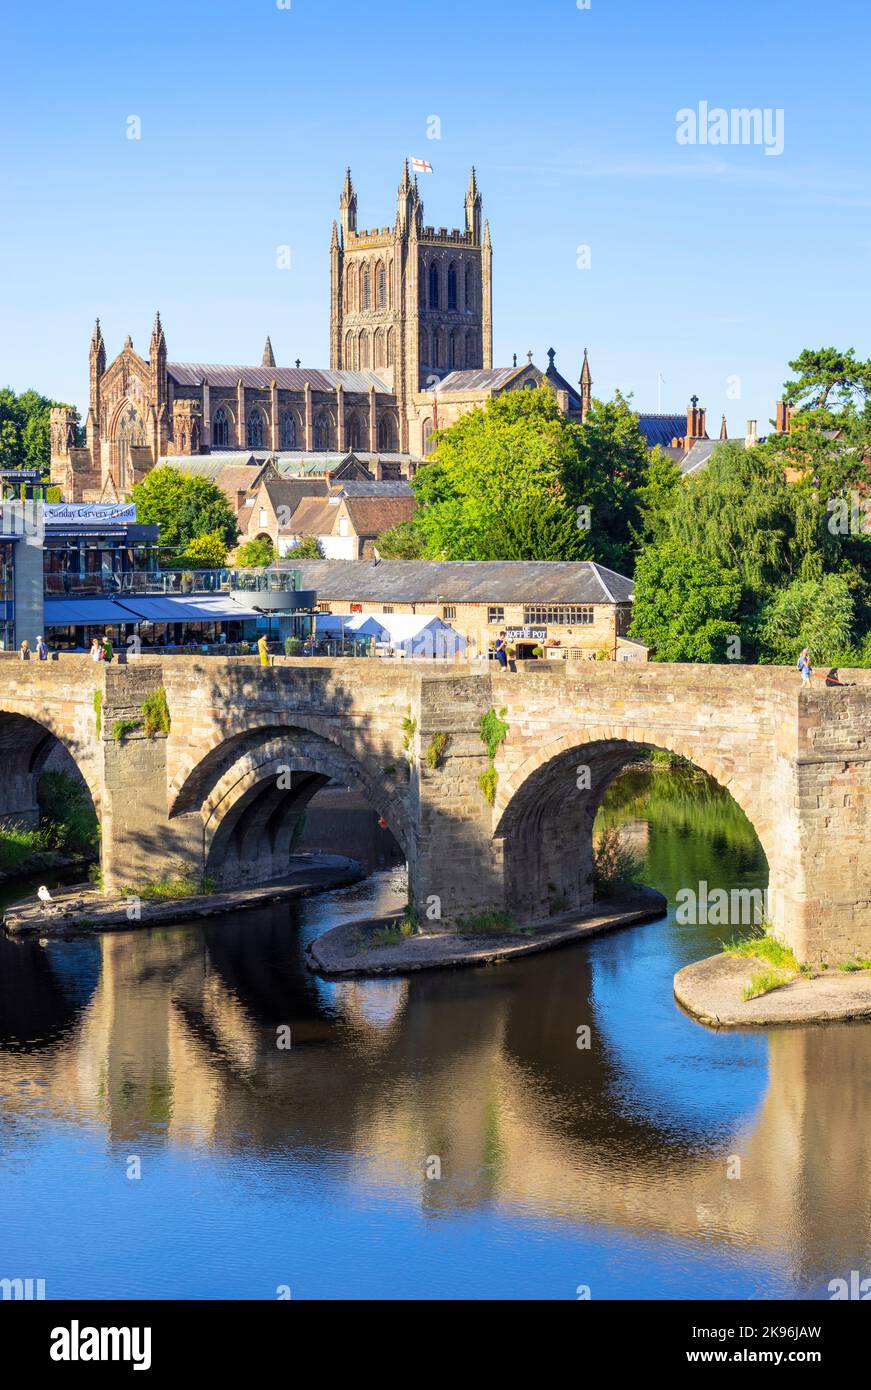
[[411, 349]]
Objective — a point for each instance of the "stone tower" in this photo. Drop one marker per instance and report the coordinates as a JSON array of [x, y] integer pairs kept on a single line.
[[410, 302]]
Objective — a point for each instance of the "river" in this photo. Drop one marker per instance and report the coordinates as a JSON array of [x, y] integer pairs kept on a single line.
[[443, 1136]]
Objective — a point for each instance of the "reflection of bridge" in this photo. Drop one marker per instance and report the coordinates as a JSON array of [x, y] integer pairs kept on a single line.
[[249, 747], [176, 1045]]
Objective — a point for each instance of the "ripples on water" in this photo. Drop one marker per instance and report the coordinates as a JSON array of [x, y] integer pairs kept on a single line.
[[309, 1167]]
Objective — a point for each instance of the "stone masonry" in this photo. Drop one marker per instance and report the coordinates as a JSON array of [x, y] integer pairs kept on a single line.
[[223, 794]]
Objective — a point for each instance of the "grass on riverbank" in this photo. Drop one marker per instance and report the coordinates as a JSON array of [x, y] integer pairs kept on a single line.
[[169, 889], [67, 825], [780, 960]]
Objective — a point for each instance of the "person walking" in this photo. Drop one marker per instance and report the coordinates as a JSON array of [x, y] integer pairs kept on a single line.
[[804, 665], [501, 649], [108, 651], [41, 649], [96, 649], [263, 649], [24, 651]]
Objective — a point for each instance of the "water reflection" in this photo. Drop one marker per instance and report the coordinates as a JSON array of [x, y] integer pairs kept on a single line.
[[166, 1041]]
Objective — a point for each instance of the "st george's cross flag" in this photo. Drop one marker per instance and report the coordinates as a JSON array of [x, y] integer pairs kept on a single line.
[[420, 166]]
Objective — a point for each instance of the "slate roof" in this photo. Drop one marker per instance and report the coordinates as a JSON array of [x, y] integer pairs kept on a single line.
[[698, 455], [463, 581], [285, 378], [483, 380], [315, 516], [662, 429], [388, 487], [372, 515]]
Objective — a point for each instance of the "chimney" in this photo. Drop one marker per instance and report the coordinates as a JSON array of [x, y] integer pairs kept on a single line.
[[562, 398], [695, 421], [751, 439], [783, 417]]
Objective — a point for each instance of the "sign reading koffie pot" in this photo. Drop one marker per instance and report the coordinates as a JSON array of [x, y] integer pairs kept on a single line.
[[528, 634]]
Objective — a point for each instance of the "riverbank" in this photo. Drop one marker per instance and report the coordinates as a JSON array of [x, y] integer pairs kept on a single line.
[[711, 992], [376, 947], [83, 908]]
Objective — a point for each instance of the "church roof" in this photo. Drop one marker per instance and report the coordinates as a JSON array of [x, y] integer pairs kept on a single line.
[[285, 378], [488, 379], [662, 429]]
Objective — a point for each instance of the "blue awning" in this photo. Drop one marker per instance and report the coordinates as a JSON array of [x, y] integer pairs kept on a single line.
[[85, 612], [190, 608]]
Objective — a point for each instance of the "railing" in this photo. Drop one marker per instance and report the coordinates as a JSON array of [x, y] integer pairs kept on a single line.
[[172, 582]]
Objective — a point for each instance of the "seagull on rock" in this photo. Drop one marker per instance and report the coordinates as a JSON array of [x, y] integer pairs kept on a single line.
[[44, 897]]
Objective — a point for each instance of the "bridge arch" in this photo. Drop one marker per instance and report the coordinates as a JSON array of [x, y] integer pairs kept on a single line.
[[546, 808], [30, 743], [248, 793]]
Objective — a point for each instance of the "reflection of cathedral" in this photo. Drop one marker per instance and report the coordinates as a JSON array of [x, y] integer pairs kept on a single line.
[[411, 348]]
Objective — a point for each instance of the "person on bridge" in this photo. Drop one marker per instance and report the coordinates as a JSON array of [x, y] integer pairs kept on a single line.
[[96, 649], [24, 651], [501, 649], [41, 649], [804, 665], [263, 649]]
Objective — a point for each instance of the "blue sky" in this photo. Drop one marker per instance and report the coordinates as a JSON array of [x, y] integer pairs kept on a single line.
[[707, 263]]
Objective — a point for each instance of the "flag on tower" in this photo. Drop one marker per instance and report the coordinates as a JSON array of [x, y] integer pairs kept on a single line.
[[420, 166]]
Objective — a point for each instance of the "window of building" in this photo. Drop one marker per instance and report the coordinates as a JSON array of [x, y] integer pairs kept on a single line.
[[382, 288], [264, 517], [322, 433], [324, 608], [367, 289], [255, 429], [449, 612], [288, 431], [496, 614], [387, 608], [470, 290], [220, 429], [386, 439], [433, 287], [452, 286], [540, 615]]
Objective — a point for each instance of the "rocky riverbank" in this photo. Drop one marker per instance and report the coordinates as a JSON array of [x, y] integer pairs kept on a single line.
[[83, 908], [375, 947]]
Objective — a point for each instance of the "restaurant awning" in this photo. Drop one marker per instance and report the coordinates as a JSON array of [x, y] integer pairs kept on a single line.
[[85, 612], [189, 608]]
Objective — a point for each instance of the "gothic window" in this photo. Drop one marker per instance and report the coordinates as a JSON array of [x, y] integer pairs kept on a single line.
[[427, 437], [352, 433], [288, 431], [364, 352], [436, 350], [433, 287], [452, 351], [452, 286], [255, 429], [367, 289], [379, 348], [470, 290], [322, 433], [424, 346], [130, 435], [382, 287], [471, 352], [391, 347], [220, 429], [350, 360], [385, 434]]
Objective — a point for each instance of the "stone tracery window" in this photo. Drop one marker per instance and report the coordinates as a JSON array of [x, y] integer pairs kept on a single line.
[[433, 286], [452, 286], [256, 429], [322, 433], [382, 287], [367, 288], [288, 431], [220, 429], [130, 435]]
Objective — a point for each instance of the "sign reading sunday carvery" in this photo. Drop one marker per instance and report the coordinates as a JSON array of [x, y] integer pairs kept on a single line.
[[86, 514]]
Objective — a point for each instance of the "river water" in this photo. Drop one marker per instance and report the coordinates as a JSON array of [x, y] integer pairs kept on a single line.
[[437, 1137]]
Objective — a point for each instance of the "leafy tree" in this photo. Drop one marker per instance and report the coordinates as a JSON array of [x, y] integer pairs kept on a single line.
[[25, 430], [686, 606], [658, 493], [207, 552], [518, 481], [309, 548], [184, 507], [255, 554], [813, 613], [401, 542], [827, 377]]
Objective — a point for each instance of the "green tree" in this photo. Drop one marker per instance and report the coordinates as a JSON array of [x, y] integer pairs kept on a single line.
[[813, 613], [658, 494], [827, 377], [309, 548], [401, 542], [25, 430], [208, 552], [255, 554], [686, 606], [184, 507]]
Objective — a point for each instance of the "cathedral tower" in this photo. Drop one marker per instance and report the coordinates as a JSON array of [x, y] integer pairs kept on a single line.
[[410, 302]]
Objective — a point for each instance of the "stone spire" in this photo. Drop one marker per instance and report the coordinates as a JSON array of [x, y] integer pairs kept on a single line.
[[473, 207], [586, 384], [268, 359], [348, 206], [724, 433]]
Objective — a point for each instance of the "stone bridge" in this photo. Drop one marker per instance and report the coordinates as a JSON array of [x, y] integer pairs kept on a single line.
[[223, 793]]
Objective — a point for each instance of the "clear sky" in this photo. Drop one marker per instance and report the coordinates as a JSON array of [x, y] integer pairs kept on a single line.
[[707, 262]]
